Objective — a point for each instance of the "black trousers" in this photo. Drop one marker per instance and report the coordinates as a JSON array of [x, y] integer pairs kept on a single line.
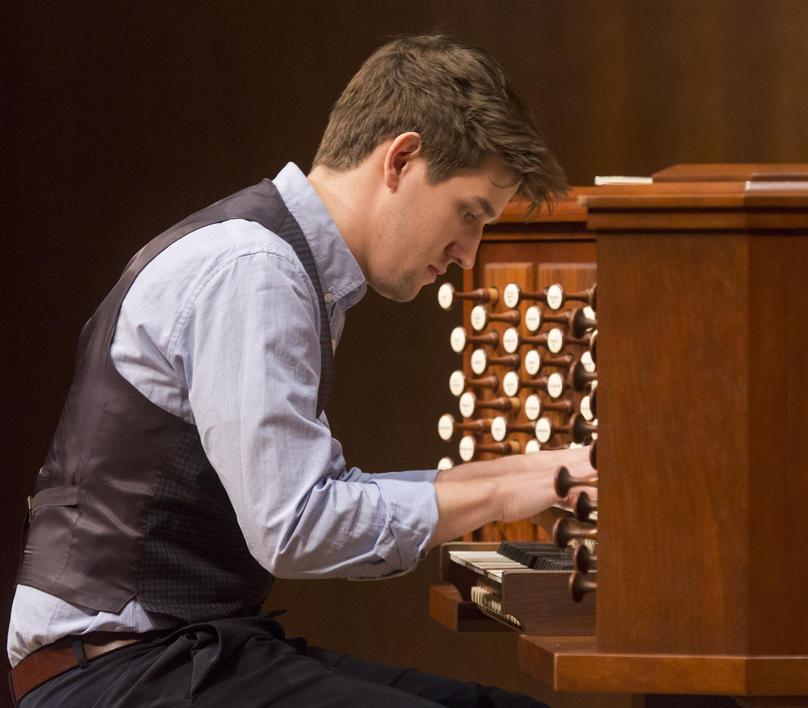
[[248, 662]]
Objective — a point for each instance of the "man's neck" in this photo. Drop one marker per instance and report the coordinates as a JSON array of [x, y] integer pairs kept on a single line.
[[346, 196]]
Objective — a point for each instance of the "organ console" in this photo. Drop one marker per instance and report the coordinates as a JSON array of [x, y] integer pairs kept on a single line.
[[686, 572]]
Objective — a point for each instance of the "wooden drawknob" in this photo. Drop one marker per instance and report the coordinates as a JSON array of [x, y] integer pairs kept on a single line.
[[580, 585]]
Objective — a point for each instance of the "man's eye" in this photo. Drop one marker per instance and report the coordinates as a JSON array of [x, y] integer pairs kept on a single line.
[[468, 217]]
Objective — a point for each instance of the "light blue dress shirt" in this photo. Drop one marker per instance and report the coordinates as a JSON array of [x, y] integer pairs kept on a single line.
[[221, 329]]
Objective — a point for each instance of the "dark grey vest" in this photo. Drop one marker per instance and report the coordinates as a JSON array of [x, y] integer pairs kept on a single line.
[[127, 504]]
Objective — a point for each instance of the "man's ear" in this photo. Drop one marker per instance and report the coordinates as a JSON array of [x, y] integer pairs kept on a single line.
[[400, 153]]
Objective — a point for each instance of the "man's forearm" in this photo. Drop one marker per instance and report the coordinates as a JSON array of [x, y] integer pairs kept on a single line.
[[463, 506]]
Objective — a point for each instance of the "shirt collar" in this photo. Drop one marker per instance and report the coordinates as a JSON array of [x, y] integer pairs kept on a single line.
[[339, 272]]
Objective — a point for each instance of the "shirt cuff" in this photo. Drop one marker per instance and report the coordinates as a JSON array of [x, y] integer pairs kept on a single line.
[[412, 516]]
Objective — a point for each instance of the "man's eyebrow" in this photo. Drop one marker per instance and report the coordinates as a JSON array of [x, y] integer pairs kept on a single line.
[[485, 205]]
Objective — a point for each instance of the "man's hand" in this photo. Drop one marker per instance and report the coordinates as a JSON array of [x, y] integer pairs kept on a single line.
[[506, 489], [531, 491]]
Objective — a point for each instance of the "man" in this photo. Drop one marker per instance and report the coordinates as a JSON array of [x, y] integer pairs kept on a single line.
[[193, 461]]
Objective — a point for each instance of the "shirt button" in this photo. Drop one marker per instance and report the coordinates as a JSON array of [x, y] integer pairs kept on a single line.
[[328, 297]]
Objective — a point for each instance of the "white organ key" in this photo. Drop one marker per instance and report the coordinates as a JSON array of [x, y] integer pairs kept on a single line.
[[555, 340], [479, 318], [499, 428], [555, 297], [446, 296], [544, 430], [532, 446], [510, 383], [586, 408], [533, 318], [478, 361], [532, 362], [446, 427], [466, 448], [510, 295], [532, 407], [555, 385], [467, 404], [457, 340], [510, 340], [457, 383], [588, 362]]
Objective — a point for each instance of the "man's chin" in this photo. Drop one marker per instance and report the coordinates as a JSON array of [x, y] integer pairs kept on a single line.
[[398, 292]]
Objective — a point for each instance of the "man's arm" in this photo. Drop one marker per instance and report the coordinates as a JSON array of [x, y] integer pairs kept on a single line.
[[251, 357]]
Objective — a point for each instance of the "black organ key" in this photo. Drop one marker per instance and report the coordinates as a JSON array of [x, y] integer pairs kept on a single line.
[[537, 555], [448, 296]]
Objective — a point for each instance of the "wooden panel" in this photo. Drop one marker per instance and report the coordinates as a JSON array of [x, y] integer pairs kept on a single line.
[[724, 172], [574, 663], [447, 606], [673, 359]]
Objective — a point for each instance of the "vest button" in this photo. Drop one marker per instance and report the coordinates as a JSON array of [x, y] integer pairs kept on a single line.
[[328, 297]]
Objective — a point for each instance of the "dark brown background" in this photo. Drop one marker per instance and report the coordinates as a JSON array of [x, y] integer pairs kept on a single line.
[[121, 118]]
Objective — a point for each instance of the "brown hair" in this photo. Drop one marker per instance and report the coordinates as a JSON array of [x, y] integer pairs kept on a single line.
[[460, 102]]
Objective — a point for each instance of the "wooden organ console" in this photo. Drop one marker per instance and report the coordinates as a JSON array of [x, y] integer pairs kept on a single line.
[[661, 322]]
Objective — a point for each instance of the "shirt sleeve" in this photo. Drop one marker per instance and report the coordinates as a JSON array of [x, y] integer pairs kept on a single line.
[[356, 475], [250, 353]]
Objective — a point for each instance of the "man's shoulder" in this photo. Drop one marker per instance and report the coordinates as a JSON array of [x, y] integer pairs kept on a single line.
[[178, 274], [208, 247]]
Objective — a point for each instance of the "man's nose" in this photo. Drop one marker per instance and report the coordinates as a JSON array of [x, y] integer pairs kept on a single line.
[[464, 253]]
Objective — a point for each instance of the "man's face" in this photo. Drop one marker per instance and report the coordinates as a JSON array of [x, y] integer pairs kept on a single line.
[[423, 227]]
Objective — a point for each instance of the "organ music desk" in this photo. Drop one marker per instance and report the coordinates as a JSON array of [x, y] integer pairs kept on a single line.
[[702, 518]]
